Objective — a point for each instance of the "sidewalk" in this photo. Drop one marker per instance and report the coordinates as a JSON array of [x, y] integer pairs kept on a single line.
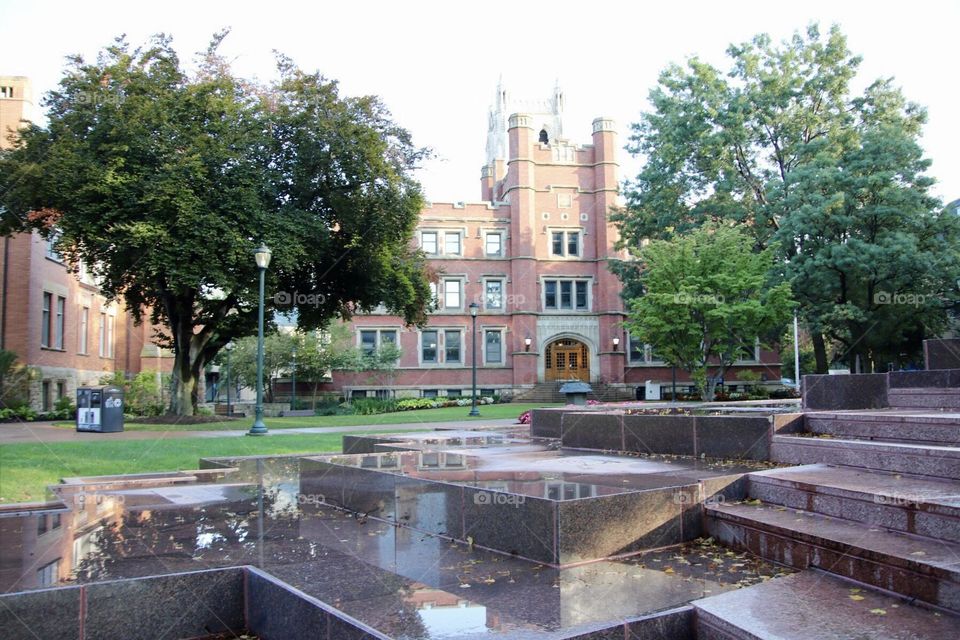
[[45, 432]]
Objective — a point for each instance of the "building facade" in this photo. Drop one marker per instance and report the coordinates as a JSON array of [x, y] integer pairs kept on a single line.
[[533, 256], [56, 321]]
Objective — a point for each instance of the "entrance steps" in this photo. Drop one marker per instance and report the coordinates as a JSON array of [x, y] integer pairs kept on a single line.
[[547, 392]]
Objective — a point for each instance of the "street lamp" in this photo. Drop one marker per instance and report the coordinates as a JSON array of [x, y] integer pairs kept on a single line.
[[616, 343], [293, 401], [228, 348], [262, 256], [474, 308]]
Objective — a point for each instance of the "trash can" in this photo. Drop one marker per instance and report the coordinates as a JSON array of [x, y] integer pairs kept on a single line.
[[100, 409], [576, 392]]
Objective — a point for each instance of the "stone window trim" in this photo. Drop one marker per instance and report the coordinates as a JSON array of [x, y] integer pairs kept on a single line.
[[482, 345], [486, 233], [646, 351], [572, 235], [379, 330], [441, 233], [502, 279], [441, 348], [558, 308], [441, 291], [756, 354]]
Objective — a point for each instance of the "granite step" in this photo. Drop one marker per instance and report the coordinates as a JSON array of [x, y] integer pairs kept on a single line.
[[912, 566], [922, 506], [813, 605], [935, 427], [914, 459], [924, 397]]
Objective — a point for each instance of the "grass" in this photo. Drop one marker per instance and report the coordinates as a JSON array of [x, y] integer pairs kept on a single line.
[[446, 414], [26, 469]]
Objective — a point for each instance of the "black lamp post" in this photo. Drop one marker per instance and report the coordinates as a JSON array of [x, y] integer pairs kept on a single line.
[[228, 348], [474, 308], [262, 256], [293, 402]]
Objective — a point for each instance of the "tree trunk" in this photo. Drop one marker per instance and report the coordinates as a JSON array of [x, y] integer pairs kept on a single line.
[[183, 399], [820, 352]]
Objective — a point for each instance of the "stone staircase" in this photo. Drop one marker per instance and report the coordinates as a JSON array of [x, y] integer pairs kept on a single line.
[[547, 392], [872, 516]]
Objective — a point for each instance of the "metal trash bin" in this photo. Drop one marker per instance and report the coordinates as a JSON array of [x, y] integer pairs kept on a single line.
[[100, 409], [576, 392]]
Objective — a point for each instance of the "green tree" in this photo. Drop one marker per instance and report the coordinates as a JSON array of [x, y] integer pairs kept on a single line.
[[318, 354], [779, 144], [705, 298], [162, 183]]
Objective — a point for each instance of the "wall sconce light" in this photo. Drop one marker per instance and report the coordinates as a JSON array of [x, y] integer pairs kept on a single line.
[[526, 344], [616, 343]]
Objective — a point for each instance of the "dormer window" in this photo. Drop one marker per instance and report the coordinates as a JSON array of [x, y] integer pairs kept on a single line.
[[544, 138]]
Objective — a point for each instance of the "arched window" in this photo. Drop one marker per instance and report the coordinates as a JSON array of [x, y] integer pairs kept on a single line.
[[544, 139]]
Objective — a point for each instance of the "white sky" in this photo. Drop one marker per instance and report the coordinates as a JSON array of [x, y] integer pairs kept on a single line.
[[436, 64]]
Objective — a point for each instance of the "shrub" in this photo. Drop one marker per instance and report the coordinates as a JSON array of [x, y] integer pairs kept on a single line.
[[373, 406]]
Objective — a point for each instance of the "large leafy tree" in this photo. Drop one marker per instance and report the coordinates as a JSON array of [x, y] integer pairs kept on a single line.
[[753, 144], [704, 298], [162, 183]]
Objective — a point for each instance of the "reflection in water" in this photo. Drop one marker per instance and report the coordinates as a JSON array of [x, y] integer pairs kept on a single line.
[[400, 581]]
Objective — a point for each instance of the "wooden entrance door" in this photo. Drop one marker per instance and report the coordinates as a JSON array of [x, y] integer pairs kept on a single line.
[[566, 359]]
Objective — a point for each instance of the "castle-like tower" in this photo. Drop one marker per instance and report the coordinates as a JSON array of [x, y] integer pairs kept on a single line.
[[533, 256]]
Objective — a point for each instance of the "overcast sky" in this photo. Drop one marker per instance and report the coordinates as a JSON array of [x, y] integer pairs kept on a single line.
[[436, 64]]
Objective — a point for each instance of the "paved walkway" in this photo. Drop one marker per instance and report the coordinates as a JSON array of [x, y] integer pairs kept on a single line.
[[43, 432]]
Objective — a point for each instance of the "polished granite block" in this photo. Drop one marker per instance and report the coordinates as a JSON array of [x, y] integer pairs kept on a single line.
[[592, 430], [515, 524], [350, 487], [432, 507], [591, 528], [277, 610], [47, 614], [671, 435], [172, 607], [733, 437], [673, 624], [546, 423], [854, 391]]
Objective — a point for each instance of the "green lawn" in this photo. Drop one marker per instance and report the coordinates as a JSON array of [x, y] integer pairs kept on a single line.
[[26, 469], [487, 412]]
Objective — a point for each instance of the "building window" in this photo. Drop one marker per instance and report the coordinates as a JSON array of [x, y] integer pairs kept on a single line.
[[493, 298], [48, 575], [452, 341], [451, 294], [454, 393], [494, 244], [42, 525], [428, 242], [452, 243], [45, 402], [566, 294], [636, 350], [84, 322], [749, 353], [493, 346], [61, 389], [58, 323], [641, 353], [428, 350], [45, 319], [52, 246], [430, 393], [368, 342], [565, 244], [103, 334]]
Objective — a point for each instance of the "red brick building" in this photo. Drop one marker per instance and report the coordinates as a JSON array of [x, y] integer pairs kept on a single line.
[[534, 256], [57, 322]]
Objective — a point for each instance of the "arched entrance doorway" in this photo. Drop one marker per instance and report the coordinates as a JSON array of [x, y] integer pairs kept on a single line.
[[566, 359]]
